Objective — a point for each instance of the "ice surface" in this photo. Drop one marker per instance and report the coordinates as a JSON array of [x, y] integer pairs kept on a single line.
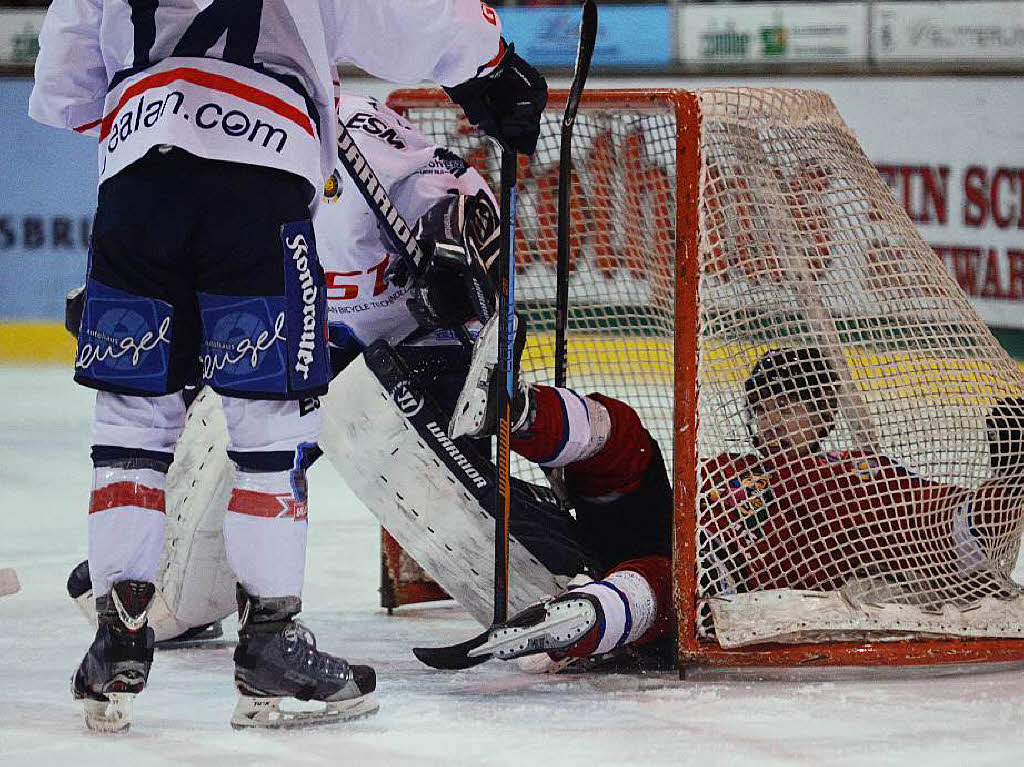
[[489, 715]]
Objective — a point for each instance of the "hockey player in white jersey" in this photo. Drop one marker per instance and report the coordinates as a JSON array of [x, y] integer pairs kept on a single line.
[[196, 103]]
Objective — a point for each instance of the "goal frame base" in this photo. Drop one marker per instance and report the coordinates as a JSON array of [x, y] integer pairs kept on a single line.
[[853, 660]]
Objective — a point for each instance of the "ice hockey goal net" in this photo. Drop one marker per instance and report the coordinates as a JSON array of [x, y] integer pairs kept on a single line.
[[709, 229]]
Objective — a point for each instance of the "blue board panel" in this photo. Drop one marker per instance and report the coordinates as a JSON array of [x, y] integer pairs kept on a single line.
[[628, 36], [47, 200]]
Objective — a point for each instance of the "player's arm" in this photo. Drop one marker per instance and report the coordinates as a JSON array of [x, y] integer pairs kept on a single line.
[[455, 43], [70, 77]]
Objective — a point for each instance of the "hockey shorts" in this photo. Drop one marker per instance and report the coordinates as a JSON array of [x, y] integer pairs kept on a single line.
[[204, 269]]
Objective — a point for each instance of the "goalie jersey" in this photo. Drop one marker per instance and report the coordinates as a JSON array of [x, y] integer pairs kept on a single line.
[[817, 521], [361, 306], [239, 80]]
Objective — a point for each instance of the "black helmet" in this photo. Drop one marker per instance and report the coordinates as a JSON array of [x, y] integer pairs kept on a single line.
[[803, 374]]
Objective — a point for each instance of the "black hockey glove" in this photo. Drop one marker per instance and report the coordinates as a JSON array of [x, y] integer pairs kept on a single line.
[[507, 102], [1005, 425], [74, 307], [459, 240]]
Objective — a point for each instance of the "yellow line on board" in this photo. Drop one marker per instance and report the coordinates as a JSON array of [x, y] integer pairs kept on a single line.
[[646, 359], [38, 343]]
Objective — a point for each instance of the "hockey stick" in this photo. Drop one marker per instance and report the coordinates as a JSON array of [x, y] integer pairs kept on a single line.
[[584, 52], [456, 656]]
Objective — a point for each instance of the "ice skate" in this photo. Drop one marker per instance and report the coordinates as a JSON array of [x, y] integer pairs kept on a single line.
[[116, 667], [474, 415], [570, 622], [284, 681], [80, 590]]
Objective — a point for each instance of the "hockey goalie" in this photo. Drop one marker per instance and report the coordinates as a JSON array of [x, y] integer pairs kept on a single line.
[[405, 444]]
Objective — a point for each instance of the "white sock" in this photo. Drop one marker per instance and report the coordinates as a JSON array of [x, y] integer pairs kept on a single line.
[[629, 607]]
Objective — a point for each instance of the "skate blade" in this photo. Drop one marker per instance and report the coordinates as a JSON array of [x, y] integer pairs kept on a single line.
[[113, 715], [470, 407], [559, 629], [291, 713]]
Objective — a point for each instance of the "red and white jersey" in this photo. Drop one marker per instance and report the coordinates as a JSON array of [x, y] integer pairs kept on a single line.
[[815, 522], [353, 248], [236, 80]]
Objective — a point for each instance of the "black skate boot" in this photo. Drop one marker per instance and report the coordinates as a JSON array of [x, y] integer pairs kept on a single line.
[[276, 662], [474, 415], [116, 667], [80, 590]]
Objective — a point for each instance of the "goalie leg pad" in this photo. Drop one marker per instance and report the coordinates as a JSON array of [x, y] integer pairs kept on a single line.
[[387, 440]]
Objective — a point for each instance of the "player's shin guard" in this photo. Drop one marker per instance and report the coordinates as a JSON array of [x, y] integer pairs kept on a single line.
[[133, 447], [272, 445]]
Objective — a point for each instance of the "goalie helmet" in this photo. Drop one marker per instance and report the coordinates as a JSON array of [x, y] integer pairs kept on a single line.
[[804, 375]]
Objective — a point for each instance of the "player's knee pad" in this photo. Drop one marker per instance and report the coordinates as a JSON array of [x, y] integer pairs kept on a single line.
[[267, 426], [151, 424]]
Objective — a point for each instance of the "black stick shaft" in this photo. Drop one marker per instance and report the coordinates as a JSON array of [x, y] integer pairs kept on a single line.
[[506, 382], [584, 52]]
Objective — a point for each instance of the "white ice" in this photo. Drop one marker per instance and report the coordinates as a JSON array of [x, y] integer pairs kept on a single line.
[[489, 715]]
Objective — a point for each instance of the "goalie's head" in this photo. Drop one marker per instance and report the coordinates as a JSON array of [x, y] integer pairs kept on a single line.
[[792, 399]]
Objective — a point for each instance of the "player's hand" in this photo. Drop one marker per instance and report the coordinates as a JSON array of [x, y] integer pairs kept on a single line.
[[74, 307], [459, 240], [507, 102]]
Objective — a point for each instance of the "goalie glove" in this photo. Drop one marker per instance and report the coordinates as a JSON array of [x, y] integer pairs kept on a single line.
[[74, 307], [451, 284], [506, 102]]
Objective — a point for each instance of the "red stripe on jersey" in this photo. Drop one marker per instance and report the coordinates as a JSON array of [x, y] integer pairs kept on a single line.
[[118, 495], [88, 126], [499, 55], [213, 82], [266, 505]]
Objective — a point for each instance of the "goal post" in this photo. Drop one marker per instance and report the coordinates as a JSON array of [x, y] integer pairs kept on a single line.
[[711, 229]]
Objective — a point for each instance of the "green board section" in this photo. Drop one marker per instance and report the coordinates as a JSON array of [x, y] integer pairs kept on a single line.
[[1011, 340]]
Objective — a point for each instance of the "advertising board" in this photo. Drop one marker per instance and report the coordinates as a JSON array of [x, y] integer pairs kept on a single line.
[[952, 31], [628, 36], [787, 32]]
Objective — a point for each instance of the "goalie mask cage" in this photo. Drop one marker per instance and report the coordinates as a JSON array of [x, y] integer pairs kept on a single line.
[[708, 229]]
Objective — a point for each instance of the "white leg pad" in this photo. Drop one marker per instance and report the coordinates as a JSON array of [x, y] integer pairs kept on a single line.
[[195, 585], [418, 500]]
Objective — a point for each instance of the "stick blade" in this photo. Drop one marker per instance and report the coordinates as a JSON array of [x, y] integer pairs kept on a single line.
[[453, 657]]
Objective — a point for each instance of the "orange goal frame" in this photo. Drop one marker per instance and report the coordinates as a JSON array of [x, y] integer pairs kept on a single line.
[[692, 651]]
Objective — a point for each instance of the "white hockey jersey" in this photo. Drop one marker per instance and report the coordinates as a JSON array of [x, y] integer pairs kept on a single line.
[[239, 80], [361, 306]]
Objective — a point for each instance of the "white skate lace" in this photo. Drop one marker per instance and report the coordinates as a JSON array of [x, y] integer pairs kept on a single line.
[[300, 649]]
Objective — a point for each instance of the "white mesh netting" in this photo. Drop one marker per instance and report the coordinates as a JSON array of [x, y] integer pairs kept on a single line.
[[860, 456]]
